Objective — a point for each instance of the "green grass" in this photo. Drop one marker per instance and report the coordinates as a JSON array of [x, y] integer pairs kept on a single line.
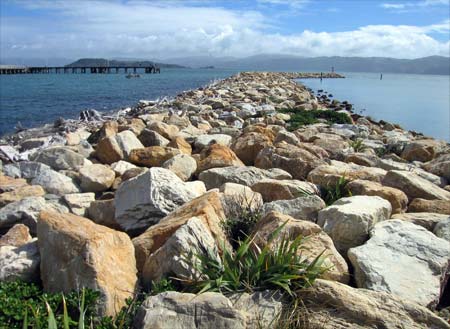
[[358, 145], [330, 194], [301, 118], [251, 268]]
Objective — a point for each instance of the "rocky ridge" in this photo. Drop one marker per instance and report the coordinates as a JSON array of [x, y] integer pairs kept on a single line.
[[112, 204]]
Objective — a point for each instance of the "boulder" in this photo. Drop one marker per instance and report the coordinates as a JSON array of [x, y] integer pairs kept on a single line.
[[210, 310], [329, 175], [248, 145], [102, 212], [153, 156], [79, 202], [55, 183], [24, 169], [421, 150], [349, 220], [76, 252], [120, 167], [183, 165], [117, 147], [304, 207], [414, 186], [165, 130], [8, 184], [145, 199], [109, 128], [396, 197], [17, 236], [60, 158], [273, 189], [20, 263], [216, 156], [442, 229], [21, 193], [205, 140], [440, 166], [423, 205], [333, 305], [96, 178], [293, 159], [241, 195], [216, 177], [425, 219], [400, 255], [316, 242], [193, 225], [152, 138], [25, 211], [180, 143]]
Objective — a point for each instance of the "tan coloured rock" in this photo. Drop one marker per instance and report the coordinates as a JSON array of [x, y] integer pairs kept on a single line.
[[108, 150], [102, 212], [183, 165], [427, 220], [75, 253], [208, 208], [273, 189], [17, 236], [333, 305], [434, 206], [165, 130], [329, 175], [153, 156], [248, 145], [421, 150], [96, 178], [21, 193], [217, 156], [109, 128], [396, 197], [8, 184], [316, 241], [293, 159], [181, 144], [79, 202]]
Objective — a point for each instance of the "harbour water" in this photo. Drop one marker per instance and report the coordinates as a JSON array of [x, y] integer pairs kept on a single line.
[[416, 102]]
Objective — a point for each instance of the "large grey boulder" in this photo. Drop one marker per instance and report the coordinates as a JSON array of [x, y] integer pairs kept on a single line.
[[25, 169], [333, 305], [79, 202], [414, 186], [216, 177], [175, 310], [55, 183], [20, 263], [305, 207], [349, 220], [403, 259], [204, 140], [96, 178], [183, 165], [25, 211], [60, 158], [145, 199], [442, 229]]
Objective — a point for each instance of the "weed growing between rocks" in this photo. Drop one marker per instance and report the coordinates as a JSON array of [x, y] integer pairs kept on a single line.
[[301, 118], [358, 145], [165, 284], [330, 194], [251, 268]]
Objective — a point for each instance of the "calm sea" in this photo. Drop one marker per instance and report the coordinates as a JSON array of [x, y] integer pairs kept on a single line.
[[416, 102], [35, 99]]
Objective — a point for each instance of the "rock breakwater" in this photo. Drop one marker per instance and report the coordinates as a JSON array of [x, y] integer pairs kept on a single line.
[[116, 203]]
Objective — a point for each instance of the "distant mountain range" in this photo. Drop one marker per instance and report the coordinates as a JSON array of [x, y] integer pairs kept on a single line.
[[86, 62], [266, 62]]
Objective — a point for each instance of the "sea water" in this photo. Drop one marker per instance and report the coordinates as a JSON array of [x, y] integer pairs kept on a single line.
[[416, 102]]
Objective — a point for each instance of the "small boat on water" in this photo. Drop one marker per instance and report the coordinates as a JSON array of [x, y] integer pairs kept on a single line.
[[129, 76]]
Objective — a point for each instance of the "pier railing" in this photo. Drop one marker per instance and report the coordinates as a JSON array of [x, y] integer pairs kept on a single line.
[[77, 69]]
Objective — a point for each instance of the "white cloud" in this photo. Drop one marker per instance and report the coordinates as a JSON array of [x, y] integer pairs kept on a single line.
[[417, 5], [145, 29]]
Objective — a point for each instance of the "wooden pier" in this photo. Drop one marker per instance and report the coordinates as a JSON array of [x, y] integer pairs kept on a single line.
[[12, 69]]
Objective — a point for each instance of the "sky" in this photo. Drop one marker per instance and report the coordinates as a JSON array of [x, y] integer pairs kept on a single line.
[[175, 28]]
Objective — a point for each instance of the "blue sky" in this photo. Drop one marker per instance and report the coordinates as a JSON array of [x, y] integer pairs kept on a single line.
[[176, 28]]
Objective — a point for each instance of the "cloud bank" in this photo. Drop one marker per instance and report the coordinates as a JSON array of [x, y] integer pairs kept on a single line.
[[173, 29]]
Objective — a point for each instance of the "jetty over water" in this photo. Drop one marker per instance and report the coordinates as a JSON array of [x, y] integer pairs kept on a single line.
[[14, 69]]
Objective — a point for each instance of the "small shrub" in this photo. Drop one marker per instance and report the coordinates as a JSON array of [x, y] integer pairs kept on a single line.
[[251, 268], [333, 193], [358, 145], [124, 319], [165, 284], [301, 118]]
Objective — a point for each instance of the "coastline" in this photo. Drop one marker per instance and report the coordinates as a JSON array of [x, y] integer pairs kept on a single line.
[[135, 189]]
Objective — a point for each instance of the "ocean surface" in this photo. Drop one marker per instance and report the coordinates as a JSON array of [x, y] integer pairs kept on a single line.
[[36, 99], [416, 102]]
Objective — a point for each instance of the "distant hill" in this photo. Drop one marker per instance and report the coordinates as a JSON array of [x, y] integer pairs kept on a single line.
[[86, 62], [272, 62]]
